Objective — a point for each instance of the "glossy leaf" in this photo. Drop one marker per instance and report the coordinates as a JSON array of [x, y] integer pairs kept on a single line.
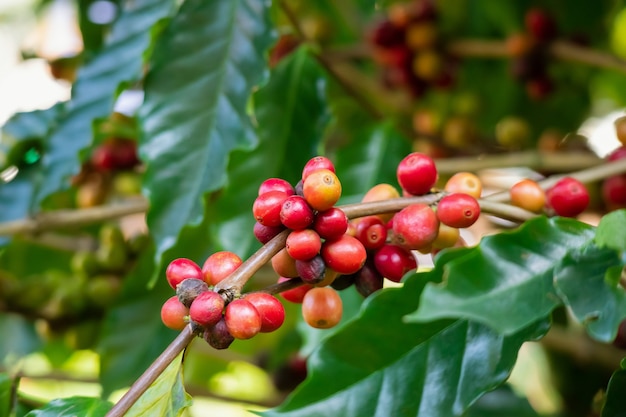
[[380, 365], [73, 406], [203, 68], [370, 158], [289, 112], [614, 405], [95, 89], [588, 282], [606, 233], [501, 402], [166, 396], [508, 269], [6, 395]]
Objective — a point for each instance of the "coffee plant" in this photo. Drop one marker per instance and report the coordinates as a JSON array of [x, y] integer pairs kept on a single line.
[[339, 208]]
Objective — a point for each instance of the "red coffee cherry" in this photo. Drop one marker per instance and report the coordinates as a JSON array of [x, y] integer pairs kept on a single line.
[[243, 321], [266, 208], [331, 223], [322, 308], [315, 163], [528, 195], [271, 310], [303, 245], [568, 197], [218, 336], [346, 255], [115, 154], [321, 189], [295, 213], [220, 265], [368, 280], [371, 232], [540, 24], [206, 309], [173, 314], [417, 173], [393, 262], [458, 210], [294, 295], [614, 192], [180, 269], [276, 184], [415, 226]]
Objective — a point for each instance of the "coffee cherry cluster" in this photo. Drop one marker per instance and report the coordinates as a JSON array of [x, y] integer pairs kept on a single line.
[[568, 197], [197, 302], [408, 46], [529, 51]]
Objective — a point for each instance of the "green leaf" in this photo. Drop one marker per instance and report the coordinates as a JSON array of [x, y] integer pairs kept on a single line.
[[614, 405], [23, 340], [583, 279], [203, 69], [379, 365], [95, 89], [290, 111], [606, 232], [508, 269], [6, 395], [73, 406], [369, 159], [166, 396], [501, 402]]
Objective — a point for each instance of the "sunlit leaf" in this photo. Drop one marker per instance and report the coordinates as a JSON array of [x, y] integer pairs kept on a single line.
[[73, 406], [606, 233]]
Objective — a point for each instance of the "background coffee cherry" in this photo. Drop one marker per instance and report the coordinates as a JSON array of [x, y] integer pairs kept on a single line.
[[415, 226], [620, 129], [464, 182], [321, 189], [446, 237], [220, 265], [270, 309], [528, 195], [540, 24], [243, 321], [416, 173], [322, 308], [614, 192], [173, 313], [458, 210], [568, 197], [180, 269], [206, 309], [315, 163], [381, 192], [346, 255], [393, 262], [513, 132]]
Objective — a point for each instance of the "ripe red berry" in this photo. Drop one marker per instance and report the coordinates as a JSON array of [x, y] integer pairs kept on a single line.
[[218, 336], [371, 232], [294, 295], [331, 223], [242, 319], [321, 189], [295, 213], [115, 154], [368, 280], [266, 233], [266, 208], [206, 309], [458, 210], [271, 310], [346, 255], [540, 24], [173, 314], [614, 191], [417, 173], [180, 269], [304, 244], [415, 226], [220, 265], [568, 197], [322, 308], [276, 184], [617, 154], [393, 262], [315, 163]]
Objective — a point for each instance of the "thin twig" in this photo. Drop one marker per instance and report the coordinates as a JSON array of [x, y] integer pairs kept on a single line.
[[70, 218], [152, 373]]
